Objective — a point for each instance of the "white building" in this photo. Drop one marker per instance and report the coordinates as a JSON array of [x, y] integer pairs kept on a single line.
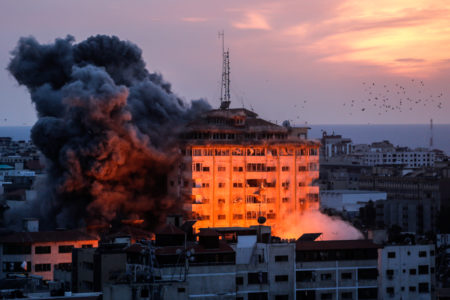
[[349, 200], [407, 272], [398, 156]]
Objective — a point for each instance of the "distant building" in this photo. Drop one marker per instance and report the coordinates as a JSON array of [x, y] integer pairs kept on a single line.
[[237, 167], [413, 200], [335, 146], [384, 153], [349, 201], [407, 272]]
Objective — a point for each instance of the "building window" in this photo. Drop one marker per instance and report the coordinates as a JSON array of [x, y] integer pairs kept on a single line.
[[181, 290], [325, 276], [391, 254], [205, 185], [412, 271], [16, 266], [347, 295], [279, 258], [237, 184], [390, 290], [42, 249], [367, 274], [65, 249], [16, 249], [346, 275], [237, 217], [197, 167], [238, 169], [271, 215], [431, 252], [367, 293], [285, 199], [64, 266], [239, 280], [221, 169], [305, 276], [42, 267], [412, 288], [144, 293], [326, 296], [281, 297], [279, 278], [423, 287], [422, 253], [221, 184], [257, 278], [221, 217], [271, 169], [390, 273], [302, 168], [256, 167], [285, 168], [251, 215], [204, 217], [205, 169], [86, 246], [285, 184], [423, 269], [221, 201]]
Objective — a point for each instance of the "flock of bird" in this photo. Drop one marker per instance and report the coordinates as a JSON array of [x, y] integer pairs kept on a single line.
[[383, 98]]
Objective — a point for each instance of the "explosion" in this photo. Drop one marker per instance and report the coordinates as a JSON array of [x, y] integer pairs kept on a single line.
[[104, 128], [293, 226]]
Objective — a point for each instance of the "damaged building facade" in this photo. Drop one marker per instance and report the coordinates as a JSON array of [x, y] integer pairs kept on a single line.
[[237, 167]]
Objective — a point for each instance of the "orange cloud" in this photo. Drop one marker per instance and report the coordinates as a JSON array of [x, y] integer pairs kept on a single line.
[[194, 19], [405, 37], [253, 20]]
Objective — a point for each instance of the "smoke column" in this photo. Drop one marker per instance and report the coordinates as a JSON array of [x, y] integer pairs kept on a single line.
[[104, 126]]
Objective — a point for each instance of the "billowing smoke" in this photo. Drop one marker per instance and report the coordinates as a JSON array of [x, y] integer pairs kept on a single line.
[[332, 228], [104, 127]]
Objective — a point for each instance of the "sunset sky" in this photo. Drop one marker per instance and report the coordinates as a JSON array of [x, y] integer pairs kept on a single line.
[[306, 61]]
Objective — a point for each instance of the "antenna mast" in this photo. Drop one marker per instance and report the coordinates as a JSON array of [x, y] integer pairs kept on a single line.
[[225, 86]]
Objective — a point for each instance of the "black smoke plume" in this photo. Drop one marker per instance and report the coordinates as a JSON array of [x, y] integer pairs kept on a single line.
[[104, 128]]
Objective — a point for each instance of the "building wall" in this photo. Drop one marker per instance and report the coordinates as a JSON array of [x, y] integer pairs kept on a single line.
[[329, 282], [37, 261], [231, 185], [400, 272]]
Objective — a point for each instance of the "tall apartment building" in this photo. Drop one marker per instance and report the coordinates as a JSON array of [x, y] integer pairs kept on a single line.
[[237, 167]]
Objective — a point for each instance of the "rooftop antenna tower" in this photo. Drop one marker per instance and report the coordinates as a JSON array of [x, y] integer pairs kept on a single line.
[[225, 86], [431, 133]]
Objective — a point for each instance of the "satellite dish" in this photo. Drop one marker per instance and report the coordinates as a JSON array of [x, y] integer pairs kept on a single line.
[[261, 220]]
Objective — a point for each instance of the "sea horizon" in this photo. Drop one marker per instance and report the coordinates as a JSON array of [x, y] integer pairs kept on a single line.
[[410, 135]]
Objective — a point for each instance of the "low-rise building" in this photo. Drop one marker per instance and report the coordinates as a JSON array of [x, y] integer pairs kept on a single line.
[[407, 272], [336, 269], [41, 252]]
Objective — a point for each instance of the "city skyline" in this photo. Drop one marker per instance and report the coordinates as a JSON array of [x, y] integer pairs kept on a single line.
[[316, 57]]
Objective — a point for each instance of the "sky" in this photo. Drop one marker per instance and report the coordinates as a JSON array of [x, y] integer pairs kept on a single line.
[[310, 62]]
